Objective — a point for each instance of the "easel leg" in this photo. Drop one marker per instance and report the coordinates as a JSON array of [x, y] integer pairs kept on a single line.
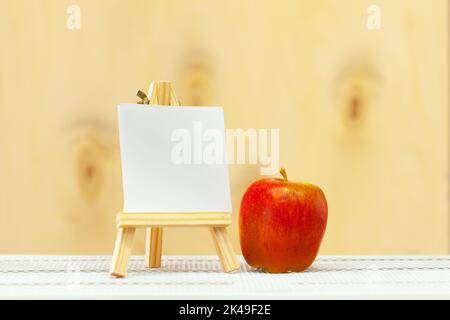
[[224, 249], [122, 252], [153, 247]]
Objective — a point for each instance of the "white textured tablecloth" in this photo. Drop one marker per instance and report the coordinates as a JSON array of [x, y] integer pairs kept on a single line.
[[200, 277]]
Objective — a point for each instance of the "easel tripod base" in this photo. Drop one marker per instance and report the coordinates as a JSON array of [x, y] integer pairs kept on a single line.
[[128, 222]]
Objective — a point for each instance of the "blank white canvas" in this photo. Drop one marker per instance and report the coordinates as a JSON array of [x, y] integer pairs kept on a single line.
[[151, 181]]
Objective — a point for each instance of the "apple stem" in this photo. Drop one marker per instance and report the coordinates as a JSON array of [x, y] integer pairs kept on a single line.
[[284, 174]]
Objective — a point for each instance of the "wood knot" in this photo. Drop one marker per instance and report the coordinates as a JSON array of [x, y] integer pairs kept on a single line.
[[197, 79], [355, 107], [357, 86], [89, 167]]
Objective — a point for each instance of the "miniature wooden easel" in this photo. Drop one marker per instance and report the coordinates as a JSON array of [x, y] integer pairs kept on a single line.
[[162, 93]]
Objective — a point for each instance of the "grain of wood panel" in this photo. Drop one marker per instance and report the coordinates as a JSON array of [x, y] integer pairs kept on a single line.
[[362, 113]]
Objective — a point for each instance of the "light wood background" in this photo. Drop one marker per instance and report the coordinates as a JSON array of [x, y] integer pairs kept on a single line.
[[363, 114]]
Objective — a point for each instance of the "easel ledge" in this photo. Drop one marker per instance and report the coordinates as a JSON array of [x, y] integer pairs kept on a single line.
[[162, 93], [170, 219]]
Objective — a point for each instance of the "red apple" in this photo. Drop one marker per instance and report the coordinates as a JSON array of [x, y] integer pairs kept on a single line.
[[281, 224]]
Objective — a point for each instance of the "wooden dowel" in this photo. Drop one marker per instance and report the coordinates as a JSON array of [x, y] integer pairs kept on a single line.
[[153, 247], [122, 252], [224, 249]]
